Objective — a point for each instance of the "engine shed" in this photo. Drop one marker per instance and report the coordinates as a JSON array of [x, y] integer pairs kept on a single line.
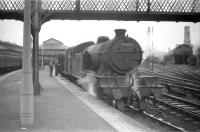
[[181, 53]]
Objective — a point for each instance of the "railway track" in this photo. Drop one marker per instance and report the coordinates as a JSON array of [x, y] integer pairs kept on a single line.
[[181, 87], [172, 79], [189, 70], [164, 123], [181, 90], [176, 113], [179, 104], [186, 111], [189, 73], [180, 71], [157, 120]]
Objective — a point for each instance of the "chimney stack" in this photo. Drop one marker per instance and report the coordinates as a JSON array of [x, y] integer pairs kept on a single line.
[[120, 33], [187, 35]]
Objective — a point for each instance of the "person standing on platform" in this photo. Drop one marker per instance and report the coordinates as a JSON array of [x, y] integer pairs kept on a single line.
[[51, 69], [57, 69]]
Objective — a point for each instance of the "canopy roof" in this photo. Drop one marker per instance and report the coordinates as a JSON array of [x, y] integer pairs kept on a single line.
[[53, 44]]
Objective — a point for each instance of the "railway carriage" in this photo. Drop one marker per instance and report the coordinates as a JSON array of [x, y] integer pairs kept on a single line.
[[10, 57]]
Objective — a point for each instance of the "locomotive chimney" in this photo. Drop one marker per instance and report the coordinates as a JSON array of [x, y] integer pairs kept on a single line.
[[187, 35], [120, 33]]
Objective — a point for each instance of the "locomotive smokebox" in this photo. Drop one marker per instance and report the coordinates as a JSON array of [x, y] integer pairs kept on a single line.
[[120, 33], [118, 56]]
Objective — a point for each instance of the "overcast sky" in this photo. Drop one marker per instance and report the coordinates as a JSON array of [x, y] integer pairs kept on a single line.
[[70, 32]]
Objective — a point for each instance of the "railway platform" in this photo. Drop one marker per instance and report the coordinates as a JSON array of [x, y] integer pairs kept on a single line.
[[62, 106]]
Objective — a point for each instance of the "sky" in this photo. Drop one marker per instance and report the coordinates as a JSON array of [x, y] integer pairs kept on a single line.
[[72, 32]]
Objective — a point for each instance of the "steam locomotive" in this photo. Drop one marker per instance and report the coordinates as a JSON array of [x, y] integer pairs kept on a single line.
[[109, 66], [10, 57]]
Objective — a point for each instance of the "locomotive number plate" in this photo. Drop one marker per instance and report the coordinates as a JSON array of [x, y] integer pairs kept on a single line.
[[126, 44]]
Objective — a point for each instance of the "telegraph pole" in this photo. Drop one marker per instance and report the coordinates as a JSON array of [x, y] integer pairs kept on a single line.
[[26, 92], [152, 49]]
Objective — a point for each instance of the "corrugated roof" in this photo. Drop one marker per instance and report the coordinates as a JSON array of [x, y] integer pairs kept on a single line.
[[10, 46], [2, 47]]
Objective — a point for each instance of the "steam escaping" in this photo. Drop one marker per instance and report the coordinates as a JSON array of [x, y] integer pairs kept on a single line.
[[136, 85], [145, 86], [88, 83]]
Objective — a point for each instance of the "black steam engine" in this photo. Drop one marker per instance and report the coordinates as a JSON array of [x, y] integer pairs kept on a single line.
[[117, 56], [108, 65]]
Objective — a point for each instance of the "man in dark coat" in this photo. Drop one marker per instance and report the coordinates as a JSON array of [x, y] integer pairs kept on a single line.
[[51, 69], [57, 69]]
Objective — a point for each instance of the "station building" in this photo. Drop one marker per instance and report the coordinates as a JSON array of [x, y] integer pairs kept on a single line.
[[49, 51]]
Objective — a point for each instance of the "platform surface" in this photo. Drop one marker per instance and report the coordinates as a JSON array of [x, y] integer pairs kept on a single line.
[[59, 108]]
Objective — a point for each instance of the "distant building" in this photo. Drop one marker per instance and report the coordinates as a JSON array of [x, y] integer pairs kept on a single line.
[[49, 50], [183, 51]]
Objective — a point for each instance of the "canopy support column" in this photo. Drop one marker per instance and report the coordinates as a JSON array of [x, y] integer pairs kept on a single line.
[[26, 91]]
